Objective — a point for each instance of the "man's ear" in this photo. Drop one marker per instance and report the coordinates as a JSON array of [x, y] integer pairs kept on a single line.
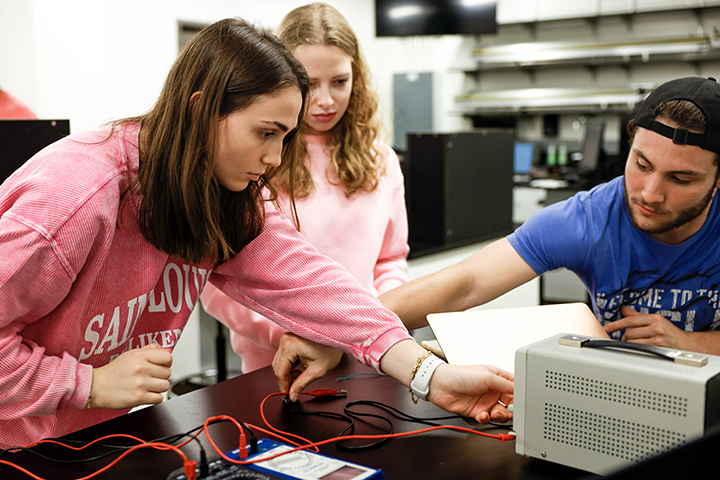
[[193, 99]]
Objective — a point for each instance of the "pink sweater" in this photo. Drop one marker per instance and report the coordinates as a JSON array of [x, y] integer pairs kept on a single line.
[[76, 291], [366, 233]]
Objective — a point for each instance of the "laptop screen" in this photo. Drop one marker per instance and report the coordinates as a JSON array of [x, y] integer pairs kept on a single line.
[[492, 336], [21, 139]]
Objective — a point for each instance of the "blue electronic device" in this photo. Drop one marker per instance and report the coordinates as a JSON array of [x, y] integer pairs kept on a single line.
[[523, 157], [304, 465]]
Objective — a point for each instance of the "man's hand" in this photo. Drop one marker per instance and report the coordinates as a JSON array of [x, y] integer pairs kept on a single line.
[[473, 391], [137, 377], [295, 351], [649, 330]]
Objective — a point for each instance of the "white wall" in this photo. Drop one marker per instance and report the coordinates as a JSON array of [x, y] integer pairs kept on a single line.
[[93, 61]]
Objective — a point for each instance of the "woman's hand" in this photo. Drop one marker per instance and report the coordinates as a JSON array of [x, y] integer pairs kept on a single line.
[[473, 391], [295, 351], [137, 377]]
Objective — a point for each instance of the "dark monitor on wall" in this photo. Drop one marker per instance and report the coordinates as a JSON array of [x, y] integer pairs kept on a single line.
[[21, 139], [591, 148], [400, 18]]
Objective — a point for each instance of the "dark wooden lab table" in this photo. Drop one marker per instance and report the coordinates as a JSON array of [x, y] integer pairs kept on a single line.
[[441, 454]]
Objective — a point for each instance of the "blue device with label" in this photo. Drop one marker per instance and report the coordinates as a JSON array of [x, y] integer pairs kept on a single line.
[[305, 465]]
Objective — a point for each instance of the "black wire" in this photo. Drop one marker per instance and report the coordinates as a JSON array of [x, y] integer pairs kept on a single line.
[[390, 431], [396, 413], [350, 416], [409, 418], [506, 425], [116, 449], [347, 430], [318, 413], [251, 435]]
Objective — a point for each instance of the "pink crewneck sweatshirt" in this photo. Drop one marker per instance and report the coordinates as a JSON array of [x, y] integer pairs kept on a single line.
[[79, 285], [366, 233]]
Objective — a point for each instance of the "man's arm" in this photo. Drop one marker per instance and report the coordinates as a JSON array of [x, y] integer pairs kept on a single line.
[[491, 272], [658, 331]]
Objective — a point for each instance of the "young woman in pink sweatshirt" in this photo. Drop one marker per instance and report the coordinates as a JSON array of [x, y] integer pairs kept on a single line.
[[349, 191], [108, 237]]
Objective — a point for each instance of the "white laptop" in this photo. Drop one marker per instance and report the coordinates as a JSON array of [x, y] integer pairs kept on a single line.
[[491, 337]]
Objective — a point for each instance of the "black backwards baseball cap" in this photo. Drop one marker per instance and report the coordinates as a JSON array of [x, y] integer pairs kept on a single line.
[[703, 92]]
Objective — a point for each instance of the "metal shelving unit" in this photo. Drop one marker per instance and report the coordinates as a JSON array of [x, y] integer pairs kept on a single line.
[[538, 54], [559, 100], [531, 57]]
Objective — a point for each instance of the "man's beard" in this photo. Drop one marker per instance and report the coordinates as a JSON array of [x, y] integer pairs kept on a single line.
[[683, 217]]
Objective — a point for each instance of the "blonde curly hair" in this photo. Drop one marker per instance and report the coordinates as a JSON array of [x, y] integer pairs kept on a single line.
[[351, 142]]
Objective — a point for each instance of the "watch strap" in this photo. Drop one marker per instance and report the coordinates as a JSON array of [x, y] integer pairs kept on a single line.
[[420, 384]]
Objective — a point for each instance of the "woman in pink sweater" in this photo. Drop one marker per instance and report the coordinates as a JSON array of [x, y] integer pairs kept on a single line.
[[108, 237], [350, 196]]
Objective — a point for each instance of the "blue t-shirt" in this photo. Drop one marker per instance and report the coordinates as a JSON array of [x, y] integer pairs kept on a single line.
[[592, 235]]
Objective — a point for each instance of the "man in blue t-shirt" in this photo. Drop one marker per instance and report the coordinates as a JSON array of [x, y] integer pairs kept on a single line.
[[645, 244]]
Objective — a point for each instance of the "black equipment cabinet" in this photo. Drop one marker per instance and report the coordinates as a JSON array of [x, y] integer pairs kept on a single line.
[[459, 188]]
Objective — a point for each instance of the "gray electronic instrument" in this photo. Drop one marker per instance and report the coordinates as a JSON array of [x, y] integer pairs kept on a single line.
[[601, 405]]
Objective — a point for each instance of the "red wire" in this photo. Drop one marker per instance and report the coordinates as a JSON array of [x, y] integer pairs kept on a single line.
[[18, 467], [280, 433], [207, 434], [117, 435], [158, 446]]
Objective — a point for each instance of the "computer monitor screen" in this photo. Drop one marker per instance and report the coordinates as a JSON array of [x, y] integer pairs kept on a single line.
[[591, 147], [21, 139], [523, 158]]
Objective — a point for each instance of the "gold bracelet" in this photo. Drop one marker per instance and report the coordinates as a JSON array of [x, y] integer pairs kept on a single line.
[[89, 399], [415, 369]]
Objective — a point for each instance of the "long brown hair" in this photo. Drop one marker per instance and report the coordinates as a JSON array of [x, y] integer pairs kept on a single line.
[[184, 211], [352, 141]]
